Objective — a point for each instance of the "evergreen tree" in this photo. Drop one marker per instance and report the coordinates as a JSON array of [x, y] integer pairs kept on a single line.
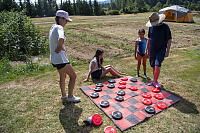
[[74, 7], [21, 5], [167, 3], [40, 8], [46, 8], [91, 12], [140, 6], [96, 8], [157, 7], [8, 5], [30, 9], [67, 7]]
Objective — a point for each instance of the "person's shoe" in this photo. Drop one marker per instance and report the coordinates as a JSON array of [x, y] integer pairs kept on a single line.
[[74, 99], [65, 97], [145, 76], [137, 75], [150, 84], [157, 85]]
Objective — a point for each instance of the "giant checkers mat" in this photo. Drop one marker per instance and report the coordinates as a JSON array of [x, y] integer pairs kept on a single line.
[[134, 105]]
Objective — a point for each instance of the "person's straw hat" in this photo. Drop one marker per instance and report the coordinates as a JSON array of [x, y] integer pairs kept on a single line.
[[63, 14], [155, 19]]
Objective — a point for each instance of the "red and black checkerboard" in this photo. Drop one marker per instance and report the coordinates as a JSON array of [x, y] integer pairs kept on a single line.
[[132, 108]]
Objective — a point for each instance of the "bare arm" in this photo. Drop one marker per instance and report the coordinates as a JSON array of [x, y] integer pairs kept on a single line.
[[168, 47], [148, 46], [89, 73], [135, 52], [60, 46]]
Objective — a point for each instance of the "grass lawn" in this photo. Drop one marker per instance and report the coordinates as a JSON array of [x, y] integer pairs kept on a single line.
[[32, 103]]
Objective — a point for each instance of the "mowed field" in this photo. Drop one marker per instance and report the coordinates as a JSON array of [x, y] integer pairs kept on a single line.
[[33, 104]]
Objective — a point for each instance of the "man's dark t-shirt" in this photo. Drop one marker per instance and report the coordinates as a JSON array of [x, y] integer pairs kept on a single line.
[[159, 36]]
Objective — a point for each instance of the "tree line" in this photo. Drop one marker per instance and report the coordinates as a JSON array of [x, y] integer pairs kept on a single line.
[[136, 6], [47, 8]]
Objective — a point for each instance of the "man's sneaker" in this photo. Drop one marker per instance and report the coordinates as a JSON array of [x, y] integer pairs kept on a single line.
[[74, 99], [150, 84], [157, 85]]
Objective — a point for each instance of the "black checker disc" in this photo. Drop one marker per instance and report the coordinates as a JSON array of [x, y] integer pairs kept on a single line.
[[111, 81], [150, 110], [97, 89], [94, 95], [133, 79], [121, 93], [99, 85], [104, 104], [117, 115], [111, 86], [119, 98]]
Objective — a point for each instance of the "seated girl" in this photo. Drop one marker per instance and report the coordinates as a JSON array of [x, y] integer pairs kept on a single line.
[[97, 71]]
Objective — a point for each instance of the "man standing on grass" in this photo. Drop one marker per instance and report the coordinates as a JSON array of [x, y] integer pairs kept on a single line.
[[159, 42]]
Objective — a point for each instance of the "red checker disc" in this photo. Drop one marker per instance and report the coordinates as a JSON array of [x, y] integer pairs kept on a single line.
[[110, 129], [96, 119], [156, 90], [122, 86], [122, 83], [158, 96], [147, 101], [146, 95], [133, 88], [161, 105], [124, 78]]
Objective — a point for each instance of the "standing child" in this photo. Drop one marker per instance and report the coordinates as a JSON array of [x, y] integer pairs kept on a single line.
[[58, 55], [140, 51]]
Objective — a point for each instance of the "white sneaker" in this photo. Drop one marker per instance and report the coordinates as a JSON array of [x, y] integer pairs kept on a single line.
[[65, 97], [74, 99]]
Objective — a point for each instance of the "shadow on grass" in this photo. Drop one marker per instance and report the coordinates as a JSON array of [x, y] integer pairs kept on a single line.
[[69, 117], [104, 79], [184, 105], [146, 80]]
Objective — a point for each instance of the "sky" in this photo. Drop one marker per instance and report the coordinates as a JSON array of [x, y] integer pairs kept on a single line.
[[58, 1]]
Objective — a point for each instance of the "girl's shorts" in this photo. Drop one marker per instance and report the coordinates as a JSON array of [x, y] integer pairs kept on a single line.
[[96, 74], [59, 66]]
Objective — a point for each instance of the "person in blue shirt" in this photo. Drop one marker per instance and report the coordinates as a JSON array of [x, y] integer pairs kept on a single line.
[[159, 37], [141, 52]]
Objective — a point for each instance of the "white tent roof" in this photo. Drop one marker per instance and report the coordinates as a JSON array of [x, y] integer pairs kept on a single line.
[[175, 8]]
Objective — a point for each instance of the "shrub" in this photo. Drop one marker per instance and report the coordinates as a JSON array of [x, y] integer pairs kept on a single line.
[[19, 38], [113, 12], [9, 72]]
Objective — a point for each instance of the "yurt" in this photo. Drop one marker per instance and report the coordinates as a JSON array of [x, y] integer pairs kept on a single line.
[[177, 14]]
